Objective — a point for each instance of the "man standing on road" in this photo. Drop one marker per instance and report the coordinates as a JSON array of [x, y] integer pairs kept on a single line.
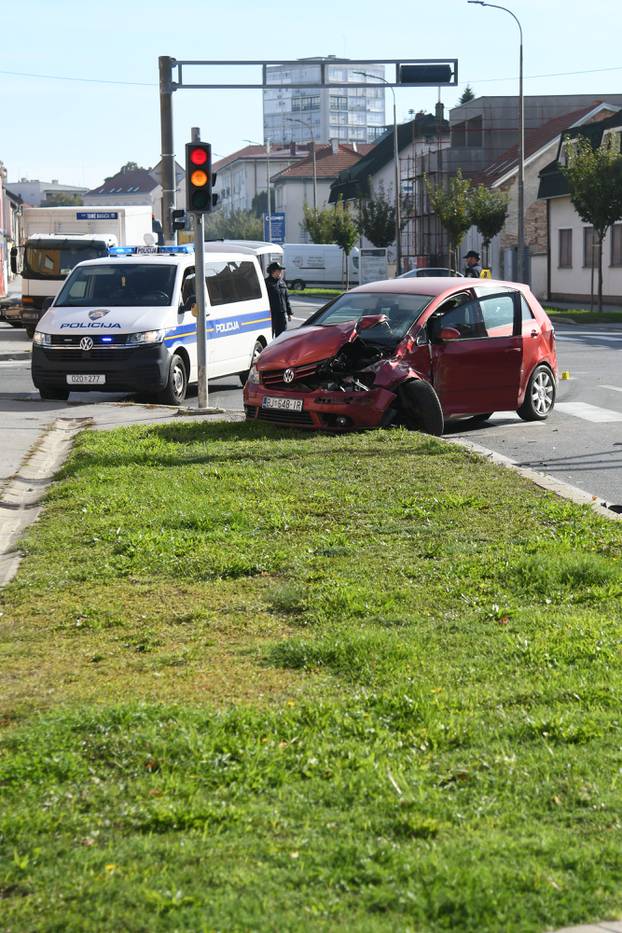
[[280, 308]]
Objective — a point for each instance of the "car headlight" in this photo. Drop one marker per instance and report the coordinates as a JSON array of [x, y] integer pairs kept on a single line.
[[145, 336], [41, 339], [253, 376]]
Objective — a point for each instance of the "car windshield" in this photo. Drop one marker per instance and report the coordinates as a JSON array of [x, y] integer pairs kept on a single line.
[[55, 260], [130, 285], [401, 310]]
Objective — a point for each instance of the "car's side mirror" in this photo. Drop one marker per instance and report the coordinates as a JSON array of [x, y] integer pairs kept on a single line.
[[14, 268], [449, 333], [189, 303]]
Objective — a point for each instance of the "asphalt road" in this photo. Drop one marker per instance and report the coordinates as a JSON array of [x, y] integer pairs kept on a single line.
[[581, 443]]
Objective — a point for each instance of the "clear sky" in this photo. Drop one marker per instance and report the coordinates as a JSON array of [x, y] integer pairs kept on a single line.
[[86, 98]]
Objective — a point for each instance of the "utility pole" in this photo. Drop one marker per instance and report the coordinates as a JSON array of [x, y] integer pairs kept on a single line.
[[167, 157]]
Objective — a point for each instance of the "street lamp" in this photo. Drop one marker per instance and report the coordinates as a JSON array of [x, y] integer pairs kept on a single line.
[[253, 143], [520, 266], [310, 128], [396, 159]]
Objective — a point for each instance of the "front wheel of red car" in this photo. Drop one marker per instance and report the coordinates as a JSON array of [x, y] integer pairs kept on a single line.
[[539, 397], [420, 407]]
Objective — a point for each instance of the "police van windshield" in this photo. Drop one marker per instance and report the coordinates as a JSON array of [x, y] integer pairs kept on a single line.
[[128, 285]]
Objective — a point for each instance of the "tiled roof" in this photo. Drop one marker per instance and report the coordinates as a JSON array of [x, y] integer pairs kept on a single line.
[[136, 181], [535, 139], [328, 163], [259, 152]]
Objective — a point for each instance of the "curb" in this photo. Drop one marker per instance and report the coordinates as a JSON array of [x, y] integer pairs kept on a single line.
[[20, 501], [559, 487]]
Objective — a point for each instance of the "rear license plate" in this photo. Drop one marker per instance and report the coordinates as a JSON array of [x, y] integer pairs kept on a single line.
[[284, 404], [86, 379]]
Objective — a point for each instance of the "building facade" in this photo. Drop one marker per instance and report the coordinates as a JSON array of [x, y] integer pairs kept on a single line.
[[37, 193], [244, 174], [299, 113]]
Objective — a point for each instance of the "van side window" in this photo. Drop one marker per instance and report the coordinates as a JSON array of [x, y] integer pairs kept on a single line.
[[228, 282], [188, 286]]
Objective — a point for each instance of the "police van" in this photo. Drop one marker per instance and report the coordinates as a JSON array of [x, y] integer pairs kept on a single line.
[[127, 322]]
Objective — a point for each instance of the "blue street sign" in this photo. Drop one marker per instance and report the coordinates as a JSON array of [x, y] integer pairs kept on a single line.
[[278, 227]]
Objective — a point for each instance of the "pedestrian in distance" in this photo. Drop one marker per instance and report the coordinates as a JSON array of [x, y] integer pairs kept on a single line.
[[280, 308], [472, 269]]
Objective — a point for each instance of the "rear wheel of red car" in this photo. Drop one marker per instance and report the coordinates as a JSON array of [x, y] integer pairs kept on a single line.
[[420, 407], [539, 397]]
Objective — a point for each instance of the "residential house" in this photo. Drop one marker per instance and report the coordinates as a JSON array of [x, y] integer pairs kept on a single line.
[[571, 257], [241, 176], [294, 186], [38, 193], [484, 133]]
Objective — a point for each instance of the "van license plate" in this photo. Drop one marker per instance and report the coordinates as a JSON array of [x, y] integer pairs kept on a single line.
[[86, 379], [283, 404]]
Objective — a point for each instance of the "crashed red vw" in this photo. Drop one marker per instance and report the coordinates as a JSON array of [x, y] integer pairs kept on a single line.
[[413, 352]]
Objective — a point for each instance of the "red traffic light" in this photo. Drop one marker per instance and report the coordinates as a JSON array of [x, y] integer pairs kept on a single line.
[[198, 156]]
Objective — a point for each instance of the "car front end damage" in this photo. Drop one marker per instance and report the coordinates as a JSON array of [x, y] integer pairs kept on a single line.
[[360, 386]]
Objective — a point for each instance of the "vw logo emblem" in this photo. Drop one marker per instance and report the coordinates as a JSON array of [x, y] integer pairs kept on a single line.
[[86, 343], [288, 375]]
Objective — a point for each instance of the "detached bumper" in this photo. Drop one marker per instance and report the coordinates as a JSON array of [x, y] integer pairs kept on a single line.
[[322, 410], [137, 369]]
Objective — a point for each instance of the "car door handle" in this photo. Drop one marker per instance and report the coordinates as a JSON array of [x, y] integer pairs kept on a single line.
[[535, 333]]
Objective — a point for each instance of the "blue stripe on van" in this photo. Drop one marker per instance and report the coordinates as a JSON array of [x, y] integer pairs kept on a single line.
[[238, 323]]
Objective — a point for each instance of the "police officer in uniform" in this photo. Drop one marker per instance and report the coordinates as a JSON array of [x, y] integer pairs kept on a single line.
[[280, 308], [472, 270]]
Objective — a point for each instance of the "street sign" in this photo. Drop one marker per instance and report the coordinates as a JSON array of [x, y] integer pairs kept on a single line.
[[278, 228], [373, 265]]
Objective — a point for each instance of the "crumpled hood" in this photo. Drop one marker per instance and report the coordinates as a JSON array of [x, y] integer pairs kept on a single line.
[[102, 320], [306, 345]]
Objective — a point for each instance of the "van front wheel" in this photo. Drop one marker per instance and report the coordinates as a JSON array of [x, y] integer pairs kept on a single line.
[[177, 385], [298, 285]]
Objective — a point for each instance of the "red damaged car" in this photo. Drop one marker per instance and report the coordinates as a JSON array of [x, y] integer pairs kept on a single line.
[[413, 352]]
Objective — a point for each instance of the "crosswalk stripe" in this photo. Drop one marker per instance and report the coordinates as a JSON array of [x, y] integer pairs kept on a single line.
[[588, 412]]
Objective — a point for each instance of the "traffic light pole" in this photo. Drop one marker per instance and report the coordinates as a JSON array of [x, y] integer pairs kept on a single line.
[[199, 271], [167, 164]]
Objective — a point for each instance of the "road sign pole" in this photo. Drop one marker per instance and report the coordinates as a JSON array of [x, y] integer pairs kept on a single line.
[[199, 269]]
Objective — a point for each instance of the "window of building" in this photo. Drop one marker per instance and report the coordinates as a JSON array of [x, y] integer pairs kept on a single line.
[[458, 134], [474, 131], [565, 249], [305, 103], [616, 245], [338, 102], [590, 248], [356, 119], [373, 132]]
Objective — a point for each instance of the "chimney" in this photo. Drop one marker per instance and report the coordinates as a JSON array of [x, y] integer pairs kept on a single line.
[[334, 145]]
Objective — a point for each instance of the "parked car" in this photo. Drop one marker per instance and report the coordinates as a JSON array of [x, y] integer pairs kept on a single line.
[[410, 351], [431, 272]]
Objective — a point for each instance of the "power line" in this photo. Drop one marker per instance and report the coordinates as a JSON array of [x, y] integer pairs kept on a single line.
[[556, 74]]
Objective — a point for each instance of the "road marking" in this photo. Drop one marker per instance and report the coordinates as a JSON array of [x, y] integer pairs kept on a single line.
[[615, 388], [10, 363], [588, 412]]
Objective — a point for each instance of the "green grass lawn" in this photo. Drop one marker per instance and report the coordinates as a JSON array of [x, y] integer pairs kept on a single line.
[[585, 316], [255, 680]]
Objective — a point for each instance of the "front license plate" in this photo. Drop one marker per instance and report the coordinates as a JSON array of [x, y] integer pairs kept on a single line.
[[284, 404], [86, 379]]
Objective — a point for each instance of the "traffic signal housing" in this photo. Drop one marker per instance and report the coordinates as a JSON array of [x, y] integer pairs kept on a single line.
[[199, 178]]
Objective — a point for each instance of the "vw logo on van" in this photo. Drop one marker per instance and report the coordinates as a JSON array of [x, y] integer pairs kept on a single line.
[[86, 343], [288, 375]]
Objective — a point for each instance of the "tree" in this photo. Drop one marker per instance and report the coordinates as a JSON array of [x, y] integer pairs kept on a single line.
[[488, 212], [239, 225], [467, 95], [132, 167], [62, 199], [345, 232], [377, 218], [452, 206], [259, 204], [595, 183], [319, 224]]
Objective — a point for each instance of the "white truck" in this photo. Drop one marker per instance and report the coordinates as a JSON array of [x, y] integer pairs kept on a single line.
[[57, 238], [318, 264]]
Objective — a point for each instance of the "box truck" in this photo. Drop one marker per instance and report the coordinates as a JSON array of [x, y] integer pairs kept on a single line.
[[55, 239], [317, 264]]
